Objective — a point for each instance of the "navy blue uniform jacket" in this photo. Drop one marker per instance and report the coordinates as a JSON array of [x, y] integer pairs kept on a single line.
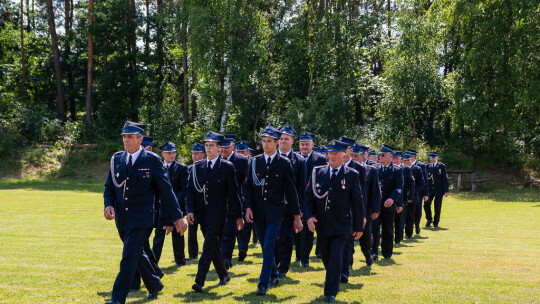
[[341, 212], [135, 208], [438, 178], [418, 182], [221, 192], [178, 176], [268, 202], [425, 191], [241, 166], [391, 182], [373, 190], [409, 185], [298, 164]]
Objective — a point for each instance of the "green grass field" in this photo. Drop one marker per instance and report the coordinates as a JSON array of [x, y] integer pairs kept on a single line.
[[56, 247]]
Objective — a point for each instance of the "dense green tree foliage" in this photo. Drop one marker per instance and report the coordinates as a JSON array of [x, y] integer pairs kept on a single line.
[[460, 76]]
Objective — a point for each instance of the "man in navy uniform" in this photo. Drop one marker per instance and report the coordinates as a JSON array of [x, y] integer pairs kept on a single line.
[[424, 195], [373, 157], [242, 147], [407, 196], [241, 164], [334, 201], [178, 176], [197, 154], [313, 159], [134, 177], [147, 143], [269, 185], [438, 187], [286, 236], [373, 199], [212, 196], [418, 188], [391, 181]]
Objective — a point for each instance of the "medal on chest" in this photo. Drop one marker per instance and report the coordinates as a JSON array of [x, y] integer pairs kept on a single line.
[[343, 184]]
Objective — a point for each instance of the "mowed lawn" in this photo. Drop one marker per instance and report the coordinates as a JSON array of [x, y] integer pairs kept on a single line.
[[56, 247]]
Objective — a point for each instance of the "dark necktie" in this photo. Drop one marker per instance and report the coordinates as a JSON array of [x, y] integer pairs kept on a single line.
[[284, 155], [334, 174], [268, 161], [129, 164], [209, 167]]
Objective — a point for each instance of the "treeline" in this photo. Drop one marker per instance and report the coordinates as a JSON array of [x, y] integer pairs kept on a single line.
[[459, 76]]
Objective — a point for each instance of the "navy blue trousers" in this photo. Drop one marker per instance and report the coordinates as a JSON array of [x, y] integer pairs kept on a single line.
[[409, 221], [437, 204], [244, 236], [383, 234], [284, 244], [366, 240], [193, 244], [399, 224], [267, 234], [136, 283], [134, 259], [228, 239], [306, 243], [178, 243], [331, 248], [348, 253], [418, 213], [211, 253]]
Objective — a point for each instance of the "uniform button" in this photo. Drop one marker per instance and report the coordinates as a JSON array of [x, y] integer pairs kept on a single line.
[[330, 188], [207, 195], [127, 178], [126, 198], [265, 198], [127, 188], [265, 191], [126, 209], [207, 182], [267, 176], [329, 201], [266, 184]]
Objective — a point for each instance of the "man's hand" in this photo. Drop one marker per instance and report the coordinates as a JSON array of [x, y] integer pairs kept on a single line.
[[249, 215], [190, 218], [180, 225], [365, 221], [374, 216], [311, 224], [426, 198], [168, 229], [297, 223], [357, 235], [446, 194], [389, 202], [109, 213], [239, 224], [399, 209]]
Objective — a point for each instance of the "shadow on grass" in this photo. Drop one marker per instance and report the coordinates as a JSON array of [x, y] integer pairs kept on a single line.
[[139, 295], [252, 297], [362, 271], [388, 262], [436, 228], [192, 296], [52, 185]]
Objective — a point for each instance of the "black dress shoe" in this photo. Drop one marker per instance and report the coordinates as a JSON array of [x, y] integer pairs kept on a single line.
[[133, 289], [436, 225], [417, 230], [228, 264], [318, 255], [192, 257], [112, 302], [305, 264], [330, 299], [374, 257], [428, 223], [273, 282], [261, 291], [344, 279], [242, 255], [197, 287], [152, 294], [387, 258], [281, 275], [224, 281], [369, 261], [180, 264]]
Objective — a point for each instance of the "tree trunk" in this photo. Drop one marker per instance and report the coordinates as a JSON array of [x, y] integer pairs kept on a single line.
[[160, 52], [68, 25], [389, 19], [56, 61], [185, 68], [193, 96], [132, 45], [23, 61], [89, 74]]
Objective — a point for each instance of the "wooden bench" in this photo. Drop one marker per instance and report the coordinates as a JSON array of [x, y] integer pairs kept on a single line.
[[475, 181], [531, 183]]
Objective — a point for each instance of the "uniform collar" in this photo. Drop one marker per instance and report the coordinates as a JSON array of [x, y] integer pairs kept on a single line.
[[348, 163], [214, 160], [134, 155], [269, 156], [229, 158], [286, 154], [337, 172]]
